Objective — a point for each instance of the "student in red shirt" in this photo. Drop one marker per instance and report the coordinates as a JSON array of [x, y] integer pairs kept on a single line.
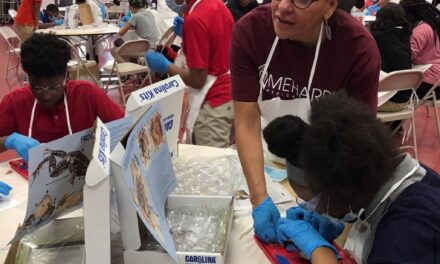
[[50, 107], [26, 21], [206, 36]]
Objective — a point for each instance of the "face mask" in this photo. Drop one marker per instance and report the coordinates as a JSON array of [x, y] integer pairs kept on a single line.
[[274, 173]]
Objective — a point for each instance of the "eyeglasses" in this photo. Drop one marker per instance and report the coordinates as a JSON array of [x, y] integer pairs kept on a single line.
[[38, 88], [302, 4]]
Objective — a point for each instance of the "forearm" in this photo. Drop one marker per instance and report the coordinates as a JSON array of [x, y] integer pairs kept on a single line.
[[250, 152], [195, 80], [323, 255], [2, 144]]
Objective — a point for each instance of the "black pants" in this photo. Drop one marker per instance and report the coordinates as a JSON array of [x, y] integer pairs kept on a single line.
[[422, 90]]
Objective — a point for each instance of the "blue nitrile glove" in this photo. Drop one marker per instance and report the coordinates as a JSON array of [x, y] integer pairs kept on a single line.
[[59, 22], [178, 25], [121, 24], [328, 228], [266, 217], [21, 144], [103, 10], [372, 10], [302, 235], [126, 17], [4, 188], [157, 61]]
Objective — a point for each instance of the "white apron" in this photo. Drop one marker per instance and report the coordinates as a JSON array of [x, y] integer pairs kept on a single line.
[[275, 107], [31, 122], [361, 236], [196, 97]]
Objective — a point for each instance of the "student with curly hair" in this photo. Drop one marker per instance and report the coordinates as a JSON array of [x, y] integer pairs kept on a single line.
[[345, 164], [50, 106], [425, 42]]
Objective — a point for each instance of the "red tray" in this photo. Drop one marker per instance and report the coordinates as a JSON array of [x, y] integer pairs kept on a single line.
[[272, 250], [20, 166]]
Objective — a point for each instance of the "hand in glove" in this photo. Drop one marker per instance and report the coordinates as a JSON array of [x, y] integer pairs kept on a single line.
[[21, 144], [157, 61], [266, 217], [59, 22], [303, 235], [178, 25], [4, 188]]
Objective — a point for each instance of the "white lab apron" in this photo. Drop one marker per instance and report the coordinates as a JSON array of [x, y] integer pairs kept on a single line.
[[361, 236], [31, 122], [196, 97], [275, 107]]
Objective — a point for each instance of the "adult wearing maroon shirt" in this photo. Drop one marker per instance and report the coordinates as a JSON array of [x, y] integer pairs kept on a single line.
[[284, 56], [50, 107], [206, 33]]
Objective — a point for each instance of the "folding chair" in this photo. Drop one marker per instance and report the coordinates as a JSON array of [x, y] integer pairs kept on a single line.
[[129, 50], [430, 100], [13, 48], [77, 62], [399, 81]]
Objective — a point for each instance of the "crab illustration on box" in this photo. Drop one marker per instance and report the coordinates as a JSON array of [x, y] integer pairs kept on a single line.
[[43, 210], [68, 201], [144, 147], [75, 162], [156, 131]]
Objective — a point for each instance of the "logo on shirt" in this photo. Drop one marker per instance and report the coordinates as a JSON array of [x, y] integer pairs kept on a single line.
[[287, 87]]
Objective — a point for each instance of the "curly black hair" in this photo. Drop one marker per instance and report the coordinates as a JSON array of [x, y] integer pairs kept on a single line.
[[346, 151], [44, 55]]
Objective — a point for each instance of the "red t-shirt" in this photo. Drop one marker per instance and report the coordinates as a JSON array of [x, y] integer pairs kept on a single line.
[[85, 100], [25, 13], [350, 61], [206, 38]]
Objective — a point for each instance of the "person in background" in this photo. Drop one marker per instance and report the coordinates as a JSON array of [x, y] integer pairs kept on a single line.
[[351, 170], [205, 31], [50, 106], [425, 44], [50, 17], [144, 24], [347, 5], [283, 57], [26, 21], [240, 8], [391, 30], [178, 6]]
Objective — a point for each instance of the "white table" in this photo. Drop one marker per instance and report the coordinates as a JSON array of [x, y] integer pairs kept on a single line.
[[93, 34], [242, 250]]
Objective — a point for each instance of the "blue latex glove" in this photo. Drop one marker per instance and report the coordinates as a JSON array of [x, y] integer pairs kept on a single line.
[[372, 10], [126, 17], [21, 144], [178, 25], [4, 188], [121, 24], [303, 235], [328, 228], [103, 10], [59, 22], [157, 61], [266, 217]]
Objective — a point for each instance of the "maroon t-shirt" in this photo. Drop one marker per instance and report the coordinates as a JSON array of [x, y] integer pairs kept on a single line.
[[350, 61], [85, 100]]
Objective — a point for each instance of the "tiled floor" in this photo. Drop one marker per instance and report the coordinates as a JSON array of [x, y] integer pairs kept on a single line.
[[427, 139]]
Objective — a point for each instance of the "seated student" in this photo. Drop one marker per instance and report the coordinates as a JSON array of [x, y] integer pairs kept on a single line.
[[50, 106], [240, 8], [425, 42], [345, 161], [50, 17], [143, 22], [391, 31]]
